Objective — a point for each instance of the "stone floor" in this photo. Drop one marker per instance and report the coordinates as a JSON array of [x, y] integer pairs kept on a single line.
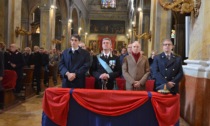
[[29, 113]]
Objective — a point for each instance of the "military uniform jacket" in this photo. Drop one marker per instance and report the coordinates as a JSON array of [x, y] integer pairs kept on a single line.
[[97, 69], [135, 71], [165, 70]]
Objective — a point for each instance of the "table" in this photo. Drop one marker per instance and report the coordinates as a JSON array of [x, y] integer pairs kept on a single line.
[[90, 107]]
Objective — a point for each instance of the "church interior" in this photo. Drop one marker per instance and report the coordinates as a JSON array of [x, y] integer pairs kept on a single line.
[[50, 24]]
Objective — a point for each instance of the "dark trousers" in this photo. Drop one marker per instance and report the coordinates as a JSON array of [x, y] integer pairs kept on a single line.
[[37, 76], [19, 85], [1, 87], [46, 75]]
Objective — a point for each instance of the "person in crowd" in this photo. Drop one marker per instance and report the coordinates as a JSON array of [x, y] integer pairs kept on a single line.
[[91, 60], [45, 64], [135, 68], [1, 64], [106, 66], [28, 57], [129, 49], [151, 58], [82, 45], [123, 54], [167, 68], [37, 68], [74, 64], [115, 52], [14, 61], [54, 59]]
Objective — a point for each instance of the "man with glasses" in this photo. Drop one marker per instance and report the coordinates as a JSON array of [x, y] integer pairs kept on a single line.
[[167, 68]]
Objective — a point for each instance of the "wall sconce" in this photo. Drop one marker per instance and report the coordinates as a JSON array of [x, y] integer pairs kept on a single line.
[[79, 30], [145, 36], [56, 41], [53, 7], [70, 20], [21, 31], [139, 9], [182, 6]]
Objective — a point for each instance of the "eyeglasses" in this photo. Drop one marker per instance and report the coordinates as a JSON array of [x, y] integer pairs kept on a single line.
[[167, 44]]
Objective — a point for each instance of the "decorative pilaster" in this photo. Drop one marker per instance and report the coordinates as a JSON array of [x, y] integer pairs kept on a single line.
[[17, 22], [47, 25], [195, 89], [160, 25]]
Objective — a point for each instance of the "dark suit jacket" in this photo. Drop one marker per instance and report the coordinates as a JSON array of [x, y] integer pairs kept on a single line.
[[15, 58], [1, 64], [165, 70], [97, 70], [77, 62]]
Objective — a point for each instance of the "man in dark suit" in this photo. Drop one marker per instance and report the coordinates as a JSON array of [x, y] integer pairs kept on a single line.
[[37, 58], [167, 68], [14, 61], [74, 63], [99, 72]]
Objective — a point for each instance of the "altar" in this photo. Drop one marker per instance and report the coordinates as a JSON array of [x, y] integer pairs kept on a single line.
[[90, 107]]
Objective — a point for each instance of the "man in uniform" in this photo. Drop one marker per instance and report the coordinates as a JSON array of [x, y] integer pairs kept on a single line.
[[106, 66], [167, 68]]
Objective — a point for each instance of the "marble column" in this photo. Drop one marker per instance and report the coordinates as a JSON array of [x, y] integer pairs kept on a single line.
[[13, 20], [17, 22], [195, 87], [47, 25], [3, 13], [24, 39], [66, 33], [160, 25]]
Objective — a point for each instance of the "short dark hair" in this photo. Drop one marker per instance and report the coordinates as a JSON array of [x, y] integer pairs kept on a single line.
[[169, 40], [76, 36]]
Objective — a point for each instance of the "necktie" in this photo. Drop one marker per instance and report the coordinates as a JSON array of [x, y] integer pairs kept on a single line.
[[106, 56], [168, 57]]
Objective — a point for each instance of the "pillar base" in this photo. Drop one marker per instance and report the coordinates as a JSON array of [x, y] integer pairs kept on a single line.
[[195, 93]]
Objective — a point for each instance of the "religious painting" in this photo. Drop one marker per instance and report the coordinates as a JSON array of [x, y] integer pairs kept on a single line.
[[107, 27], [110, 4], [120, 45], [93, 44]]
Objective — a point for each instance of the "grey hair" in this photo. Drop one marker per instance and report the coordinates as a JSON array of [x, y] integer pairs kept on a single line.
[[107, 39]]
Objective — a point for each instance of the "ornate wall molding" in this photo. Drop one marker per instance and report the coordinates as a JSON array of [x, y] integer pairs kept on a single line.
[[182, 6]]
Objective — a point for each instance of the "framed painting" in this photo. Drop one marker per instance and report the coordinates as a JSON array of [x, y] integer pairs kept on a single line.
[[120, 45], [107, 27], [93, 44]]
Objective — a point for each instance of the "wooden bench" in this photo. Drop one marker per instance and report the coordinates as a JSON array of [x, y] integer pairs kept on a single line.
[[7, 96], [27, 82]]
